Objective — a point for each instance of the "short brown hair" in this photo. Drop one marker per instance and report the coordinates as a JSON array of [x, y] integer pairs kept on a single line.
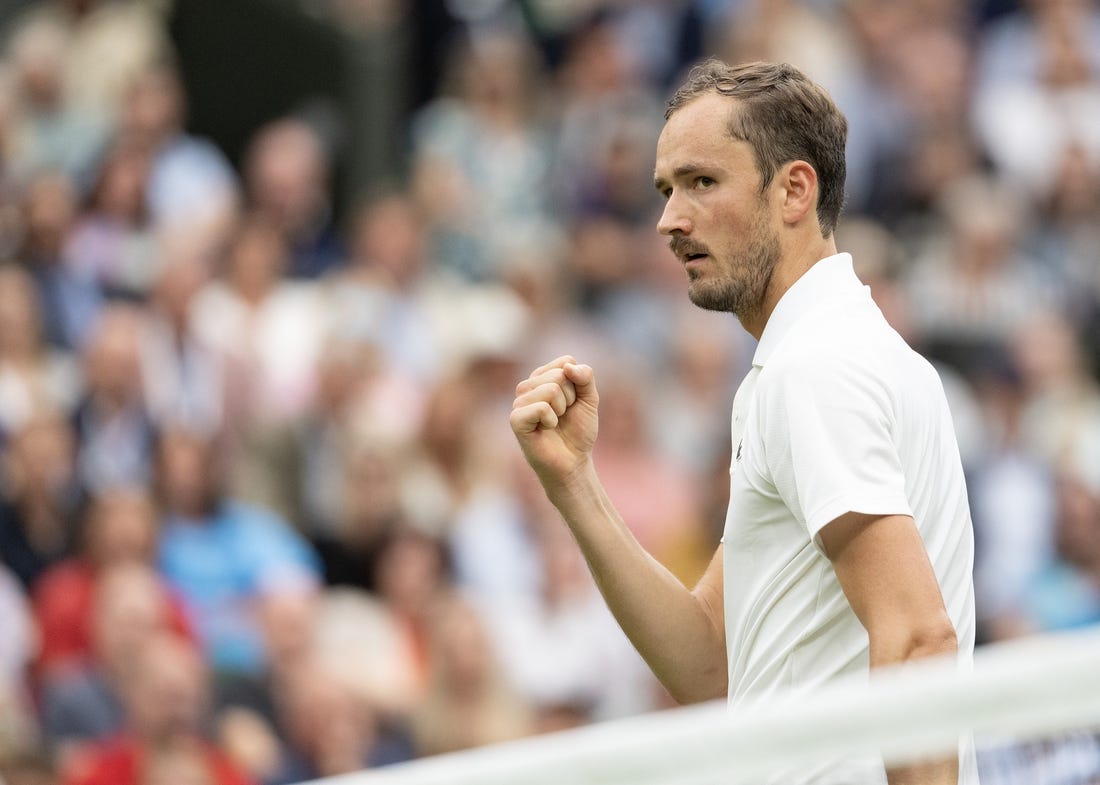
[[784, 116]]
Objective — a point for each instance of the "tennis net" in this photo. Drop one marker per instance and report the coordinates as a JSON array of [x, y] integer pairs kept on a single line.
[[1032, 705]]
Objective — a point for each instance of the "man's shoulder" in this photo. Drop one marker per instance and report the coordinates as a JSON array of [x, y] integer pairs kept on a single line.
[[866, 371], [844, 339]]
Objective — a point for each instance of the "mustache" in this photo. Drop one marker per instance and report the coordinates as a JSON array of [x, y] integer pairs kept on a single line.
[[682, 246]]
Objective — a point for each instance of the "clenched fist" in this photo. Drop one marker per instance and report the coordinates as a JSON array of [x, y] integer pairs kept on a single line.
[[554, 418]]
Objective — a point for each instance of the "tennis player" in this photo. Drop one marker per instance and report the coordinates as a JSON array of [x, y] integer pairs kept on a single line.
[[848, 543]]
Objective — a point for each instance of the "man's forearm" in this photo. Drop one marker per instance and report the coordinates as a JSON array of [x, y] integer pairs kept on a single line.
[[678, 632], [942, 771]]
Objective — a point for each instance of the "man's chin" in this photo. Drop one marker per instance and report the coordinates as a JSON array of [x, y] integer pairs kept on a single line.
[[711, 298]]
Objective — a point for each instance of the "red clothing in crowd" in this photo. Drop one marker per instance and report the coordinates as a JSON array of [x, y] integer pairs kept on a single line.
[[121, 761], [63, 599]]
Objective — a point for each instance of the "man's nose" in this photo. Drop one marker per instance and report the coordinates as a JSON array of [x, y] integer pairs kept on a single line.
[[674, 219]]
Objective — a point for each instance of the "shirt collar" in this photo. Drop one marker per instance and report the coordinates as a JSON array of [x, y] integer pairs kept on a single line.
[[831, 277]]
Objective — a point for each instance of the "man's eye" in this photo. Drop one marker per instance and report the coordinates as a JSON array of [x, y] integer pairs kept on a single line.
[[704, 182]]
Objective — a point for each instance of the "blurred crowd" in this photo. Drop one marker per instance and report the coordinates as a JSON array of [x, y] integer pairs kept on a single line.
[[261, 515]]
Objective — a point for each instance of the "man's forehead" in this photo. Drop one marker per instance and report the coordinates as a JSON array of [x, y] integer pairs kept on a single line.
[[697, 134]]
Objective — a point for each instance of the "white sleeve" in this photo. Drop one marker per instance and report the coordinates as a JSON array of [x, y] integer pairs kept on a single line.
[[827, 427]]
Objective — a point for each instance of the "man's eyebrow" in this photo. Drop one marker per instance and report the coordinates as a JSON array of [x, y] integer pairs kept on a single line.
[[683, 170]]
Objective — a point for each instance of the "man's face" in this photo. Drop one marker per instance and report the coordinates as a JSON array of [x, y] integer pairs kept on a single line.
[[718, 221]]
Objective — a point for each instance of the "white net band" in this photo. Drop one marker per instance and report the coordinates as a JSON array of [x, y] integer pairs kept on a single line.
[[1038, 687]]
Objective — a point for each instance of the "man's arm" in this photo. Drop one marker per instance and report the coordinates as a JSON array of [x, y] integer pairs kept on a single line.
[[679, 633], [883, 568]]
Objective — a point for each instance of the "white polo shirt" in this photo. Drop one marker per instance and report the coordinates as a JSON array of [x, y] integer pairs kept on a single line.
[[837, 415]]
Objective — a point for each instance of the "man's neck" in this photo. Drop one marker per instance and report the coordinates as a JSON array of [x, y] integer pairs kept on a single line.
[[793, 264]]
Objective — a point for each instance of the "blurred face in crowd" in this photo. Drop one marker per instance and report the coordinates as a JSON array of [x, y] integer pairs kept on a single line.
[[287, 621], [287, 174], [154, 106], [718, 222], [342, 371], [595, 62], [460, 647], [1048, 353], [389, 237], [410, 573], [20, 320], [326, 721], [112, 359], [603, 252], [185, 473], [186, 270], [257, 259], [40, 458], [120, 192], [496, 74], [371, 496], [49, 210], [165, 695], [121, 527], [1077, 535], [130, 608], [38, 55]]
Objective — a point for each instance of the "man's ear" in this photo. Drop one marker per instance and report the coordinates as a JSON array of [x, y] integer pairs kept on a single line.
[[799, 181]]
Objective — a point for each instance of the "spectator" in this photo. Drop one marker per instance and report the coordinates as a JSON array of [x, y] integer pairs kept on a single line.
[[119, 527], [361, 641], [606, 112], [106, 43], [485, 139], [411, 573], [561, 647], [370, 513], [113, 243], [657, 496], [331, 730], [266, 330], [164, 697], [83, 699], [70, 302], [976, 283], [220, 555], [288, 179], [1038, 90], [32, 375], [18, 723], [468, 703], [1012, 501], [38, 505], [1067, 234], [377, 298], [1061, 420], [190, 183], [185, 379], [115, 433], [51, 132], [1066, 592]]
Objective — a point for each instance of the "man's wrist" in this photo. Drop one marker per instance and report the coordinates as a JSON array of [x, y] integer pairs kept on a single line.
[[574, 489]]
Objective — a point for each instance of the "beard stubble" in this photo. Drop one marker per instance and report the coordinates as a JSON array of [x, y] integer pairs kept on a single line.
[[739, 285]]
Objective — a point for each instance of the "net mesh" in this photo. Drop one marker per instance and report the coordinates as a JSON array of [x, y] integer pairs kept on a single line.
[[1032, 705]]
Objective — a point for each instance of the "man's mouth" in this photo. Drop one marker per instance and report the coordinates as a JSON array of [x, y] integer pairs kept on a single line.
[[690, 258], [686, 251]]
